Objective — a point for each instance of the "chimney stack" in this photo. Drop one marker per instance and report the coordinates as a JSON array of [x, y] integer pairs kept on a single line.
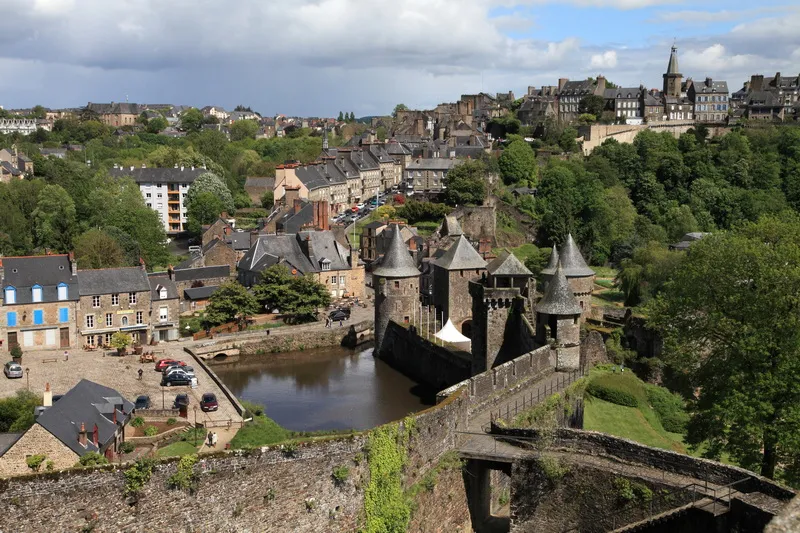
[[561, 83], [73, 264], [82, 435], [47, 397], [95, 435], [253, 237], [297, 205]]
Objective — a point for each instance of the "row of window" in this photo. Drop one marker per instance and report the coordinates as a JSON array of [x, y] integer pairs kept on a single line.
[[132, 299], [716, 98], [38, 317], [712, 107], [335, 280], [160, 195], [37, 293], [124, 321]]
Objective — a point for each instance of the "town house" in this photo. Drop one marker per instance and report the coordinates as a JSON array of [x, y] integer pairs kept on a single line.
[[164, 307], [428, 175]]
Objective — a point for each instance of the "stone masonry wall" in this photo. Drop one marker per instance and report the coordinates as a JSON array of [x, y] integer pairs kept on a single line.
[[12, 463], [301, 340]]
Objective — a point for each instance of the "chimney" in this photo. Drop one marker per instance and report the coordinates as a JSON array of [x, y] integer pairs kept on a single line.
[[601, 85], [253, 237], [113, 416], [82, 435], [47, 397], [73, 264], [756, 82], [142, 264], [170, 272], [412, 245], [561, 83], [484, 247], [95, 435], [297, 205], [777, 79], [709, 81]]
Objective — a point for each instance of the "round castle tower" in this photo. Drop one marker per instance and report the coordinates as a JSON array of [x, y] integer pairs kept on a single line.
[[558, 321], [396, 281], [579, 275]]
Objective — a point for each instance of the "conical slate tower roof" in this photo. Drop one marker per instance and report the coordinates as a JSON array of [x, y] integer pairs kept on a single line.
[[550, 269], [461, 256], [397, 262], [559, 299], [672, 68], [507, 264], [572, 261]]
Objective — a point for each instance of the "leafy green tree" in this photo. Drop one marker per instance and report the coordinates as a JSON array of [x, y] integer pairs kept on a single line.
[[644, 275], [231, 301], [157, 125], [414, 211], [518, 163], [268, 199], [16, 412], [205, 208], [209, 182], [466, 183], [592, 104], [297, 297], [729, 320], [272, 290], [38, 112], [191, 120], [399, 107], [567, 140], [131, 252], [97, 249], [54, 219], [244, 129], [341, 117]]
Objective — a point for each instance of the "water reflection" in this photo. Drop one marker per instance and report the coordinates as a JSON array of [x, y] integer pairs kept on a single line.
[[330, 388]]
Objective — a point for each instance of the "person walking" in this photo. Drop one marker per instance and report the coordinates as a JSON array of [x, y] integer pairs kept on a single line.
[[213, 440], [141, 373]]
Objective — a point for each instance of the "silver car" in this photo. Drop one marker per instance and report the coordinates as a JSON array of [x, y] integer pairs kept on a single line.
[[12, 370]]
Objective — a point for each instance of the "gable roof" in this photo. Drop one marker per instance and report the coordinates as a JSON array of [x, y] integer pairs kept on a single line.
[[112, 280], [192, 274], [558, 298], [507, 264], [304, 251], [239, 240], [161, 280], [397, 261], [86, 403], [572, 261], [200, 293], [47, 271], [461, 256]]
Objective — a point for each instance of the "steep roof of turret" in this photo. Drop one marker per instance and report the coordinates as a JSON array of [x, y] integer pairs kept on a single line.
[[550, 269], [572, 261], [672, 67], [397, 261], [461, 256], [507, 264], [558, 299]]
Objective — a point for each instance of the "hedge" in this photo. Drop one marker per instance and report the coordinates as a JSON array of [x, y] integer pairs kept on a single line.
[[669, 408], [621, 389]]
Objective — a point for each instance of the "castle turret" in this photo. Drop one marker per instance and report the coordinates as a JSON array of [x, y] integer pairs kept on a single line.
[[558, 321], [673, 78], [452, 273], [396, 281], [550, 269], [579, 275]]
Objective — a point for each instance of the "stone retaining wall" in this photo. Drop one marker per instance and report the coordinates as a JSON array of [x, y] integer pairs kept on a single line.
[[303, 340]]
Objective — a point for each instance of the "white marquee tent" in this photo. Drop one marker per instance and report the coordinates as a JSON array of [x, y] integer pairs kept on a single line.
[[449, 333]]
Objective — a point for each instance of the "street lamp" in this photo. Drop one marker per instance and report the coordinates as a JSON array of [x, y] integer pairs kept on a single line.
[[28, 377], [195, 426]]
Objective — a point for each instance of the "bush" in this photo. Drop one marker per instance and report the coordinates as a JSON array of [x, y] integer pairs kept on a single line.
[[669, 408], [127, 447], [137, 422], [16, 351], [50, 466], [252, 408], [138, 475], [35, 461], [184, 478], [92, 459], [622, 389], [171, 421], [151, 431], [340, 475]]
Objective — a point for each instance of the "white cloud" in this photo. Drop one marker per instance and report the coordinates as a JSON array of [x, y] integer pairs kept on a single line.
[[607, 59]]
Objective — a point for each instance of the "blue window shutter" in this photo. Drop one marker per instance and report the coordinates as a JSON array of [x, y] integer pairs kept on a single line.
[[11, 318], [38, 317], [63, 314]]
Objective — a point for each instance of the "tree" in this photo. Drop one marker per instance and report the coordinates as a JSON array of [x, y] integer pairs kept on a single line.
[[210, 182], [567, 139], [97, 249], [131, 251], [205, 208], [272, 291], [730, 323], [191, 120], [466, 183], [297, 297], [54, 219], [231, 301], [643, 276], [341, 117], [399, 107], [244, 129], [268, 199], [592, 104], [157, 125], [518, 163]]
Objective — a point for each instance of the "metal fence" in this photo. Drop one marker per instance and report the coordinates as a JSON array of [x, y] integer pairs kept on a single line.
[[537, 396]]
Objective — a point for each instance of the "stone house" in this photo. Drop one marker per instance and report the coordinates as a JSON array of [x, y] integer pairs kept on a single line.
[[39, 302], [208, 276], [710, 99], [452, 273], [116, 114], [428, 175], [196, 299], [313, 253], [219, 229], [255, 187], [14, 165], [376, 237], [88, 418], [216, 252], [164, 307], [111, 300], [570, 94]]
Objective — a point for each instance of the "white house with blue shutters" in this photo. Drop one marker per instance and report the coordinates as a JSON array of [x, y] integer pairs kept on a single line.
[[39, 302]]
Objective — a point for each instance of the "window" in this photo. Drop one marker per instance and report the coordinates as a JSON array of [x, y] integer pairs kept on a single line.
[[396, 284], [108, 338], [38, 317], [139, 317], [11, 295], [163, 314], [37, 293], [148, 195], [11, 319], [90, 321], [326, 265], [115, 299], [334, 280], [149, 204], [63, 314], [124, 321], [162, 292], [109, 320], [95, 301], [132, 298], [158, 195], [63, 291]]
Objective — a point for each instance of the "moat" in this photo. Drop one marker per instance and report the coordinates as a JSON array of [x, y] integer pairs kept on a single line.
[[326, 388]]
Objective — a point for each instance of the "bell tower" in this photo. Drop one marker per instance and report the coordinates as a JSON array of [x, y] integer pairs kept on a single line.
[[673, 78]]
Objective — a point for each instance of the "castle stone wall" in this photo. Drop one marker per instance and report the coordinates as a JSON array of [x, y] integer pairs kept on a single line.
[[395, 299]]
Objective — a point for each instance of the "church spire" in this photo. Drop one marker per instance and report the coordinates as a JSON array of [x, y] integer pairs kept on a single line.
[[672, 68]]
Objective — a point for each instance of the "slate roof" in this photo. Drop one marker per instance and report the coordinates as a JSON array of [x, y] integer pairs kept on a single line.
[[48, 271], [200, 293], [7, 440], [395, 148], [159, 175], [672, 66], [709, 86], [507, 264], [572, 260], [461, 256], [90, 404], [112, 280], [261, 183], [451, 226], [11, 169], [550, 269], [580, 87], [192, 274], [239, 240], [297, 252], [122, 108], [397, 261], [436, 163], [558, 298], [162, 280]]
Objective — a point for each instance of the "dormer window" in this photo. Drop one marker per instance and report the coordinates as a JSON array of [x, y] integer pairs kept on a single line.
[[325, 264], [36, 293], [63, 291], [11, 295], [162, 292]]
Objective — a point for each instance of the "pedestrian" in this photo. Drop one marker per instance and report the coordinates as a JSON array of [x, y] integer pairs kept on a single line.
[[141, 373], [209, 439], [213, 440], [66, 355], [341, 323]]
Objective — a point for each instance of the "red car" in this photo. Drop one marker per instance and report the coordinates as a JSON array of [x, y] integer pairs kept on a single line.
[[164, 363], [209, 402]]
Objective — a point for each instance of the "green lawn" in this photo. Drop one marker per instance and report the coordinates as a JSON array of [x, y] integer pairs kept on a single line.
[[262, 431], [607, 283], [630, 423], [178, 449], [605, 272]]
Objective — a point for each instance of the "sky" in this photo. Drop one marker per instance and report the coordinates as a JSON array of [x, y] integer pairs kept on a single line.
[[319, 57]]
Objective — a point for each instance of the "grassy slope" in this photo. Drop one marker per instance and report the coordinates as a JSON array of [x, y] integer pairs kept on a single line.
[[177, 449], [261, 432], [633, 423]]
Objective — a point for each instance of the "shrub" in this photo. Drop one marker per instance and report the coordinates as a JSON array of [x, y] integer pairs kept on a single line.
[[50, 466], [632, 491], [35, 461], [137, 422], [127, 447], [622, 389], [16, 351], [184, 478], [669, 408], [289, 449], [171, 422], [151, 431], [92, 459], [137, 476], [552, 467], [340, 475], [253, 408]]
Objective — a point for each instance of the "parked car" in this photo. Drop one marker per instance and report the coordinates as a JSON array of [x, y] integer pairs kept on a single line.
[[142, 402], [209, 402], [343, 312], [12, 370], [161, 364], [177, 378], [360, 206], [183, 367], [181, 400]]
